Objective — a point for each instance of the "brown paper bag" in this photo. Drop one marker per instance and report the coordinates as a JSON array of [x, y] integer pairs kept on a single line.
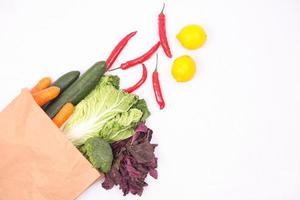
[[37, 162]]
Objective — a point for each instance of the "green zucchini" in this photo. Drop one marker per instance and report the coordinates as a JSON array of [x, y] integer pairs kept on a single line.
[[79, 89], [66, 80]]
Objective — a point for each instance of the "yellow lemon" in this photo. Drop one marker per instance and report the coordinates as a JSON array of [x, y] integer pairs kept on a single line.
[[192, 36], [183, 69]]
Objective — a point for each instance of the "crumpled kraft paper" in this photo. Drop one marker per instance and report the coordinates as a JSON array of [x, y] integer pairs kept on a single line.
[[37, 162]]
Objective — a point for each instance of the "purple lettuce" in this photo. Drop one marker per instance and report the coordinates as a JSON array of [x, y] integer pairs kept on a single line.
[[134, 159]]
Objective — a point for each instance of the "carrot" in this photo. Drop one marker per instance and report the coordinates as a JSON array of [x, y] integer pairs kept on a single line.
[[63, 115], [42, 84], [44, 96]]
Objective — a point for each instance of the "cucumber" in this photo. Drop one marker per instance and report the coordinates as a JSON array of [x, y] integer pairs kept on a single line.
[[66, 80], [79, 89], [63, 83]]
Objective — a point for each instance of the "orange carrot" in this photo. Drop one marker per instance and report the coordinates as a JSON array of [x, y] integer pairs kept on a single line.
[[42, 84], [44, 96], [63, 115]]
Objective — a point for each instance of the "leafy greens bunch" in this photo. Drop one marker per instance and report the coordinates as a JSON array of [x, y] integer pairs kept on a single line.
[[108, 128], [107, 112]]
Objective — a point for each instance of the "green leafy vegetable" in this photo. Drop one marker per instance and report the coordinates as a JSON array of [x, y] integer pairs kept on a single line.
[[121, 127], [142, 106], [99, 153], [106, 112], [111, 80]]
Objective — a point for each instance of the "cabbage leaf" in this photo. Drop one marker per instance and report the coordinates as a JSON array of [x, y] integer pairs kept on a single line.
[[105, 112]]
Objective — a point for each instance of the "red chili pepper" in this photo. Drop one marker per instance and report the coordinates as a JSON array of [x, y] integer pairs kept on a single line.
[[162, 33], [117, 50], [140, 82], [142, 58], [157, 89]]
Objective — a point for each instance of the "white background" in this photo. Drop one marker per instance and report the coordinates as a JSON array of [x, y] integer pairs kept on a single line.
[[232, 133]]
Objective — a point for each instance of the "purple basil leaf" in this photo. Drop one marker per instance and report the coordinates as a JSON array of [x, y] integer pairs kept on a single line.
[[141, 128], [131, 170], [134, 160], [142, 152], [108, 182], [153, 173]]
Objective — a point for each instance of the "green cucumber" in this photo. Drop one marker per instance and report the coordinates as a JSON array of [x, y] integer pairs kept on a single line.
[[79, 89], [66, 80], [63, 83]]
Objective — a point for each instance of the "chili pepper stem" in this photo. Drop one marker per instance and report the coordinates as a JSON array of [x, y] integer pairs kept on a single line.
[[114, 69], [162, 10]]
